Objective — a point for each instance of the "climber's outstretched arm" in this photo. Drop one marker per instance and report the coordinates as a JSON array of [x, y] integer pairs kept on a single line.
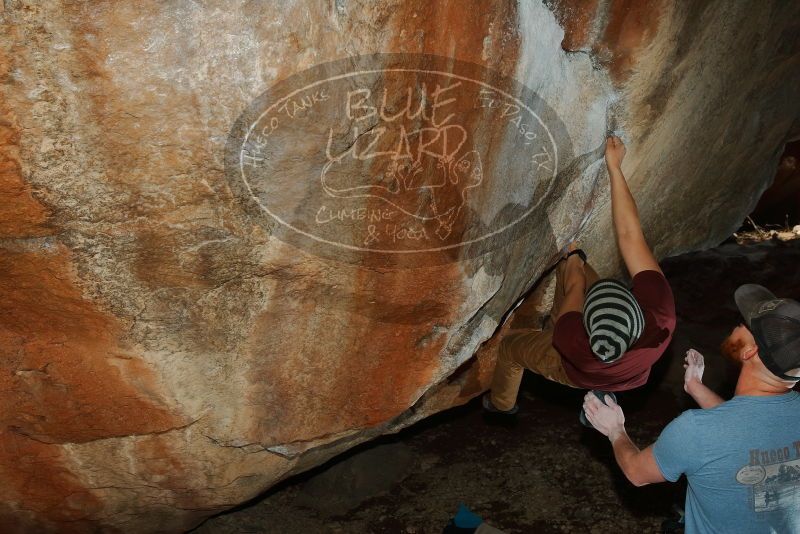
[[632, 245]]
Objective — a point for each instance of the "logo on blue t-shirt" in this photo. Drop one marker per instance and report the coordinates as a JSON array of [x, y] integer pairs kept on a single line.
[[774, 478]]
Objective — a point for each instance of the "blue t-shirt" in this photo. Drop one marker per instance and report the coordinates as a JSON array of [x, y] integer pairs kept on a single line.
[[742, 461]]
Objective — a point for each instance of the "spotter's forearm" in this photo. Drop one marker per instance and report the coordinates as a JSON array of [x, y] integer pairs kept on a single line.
[[702, 395]]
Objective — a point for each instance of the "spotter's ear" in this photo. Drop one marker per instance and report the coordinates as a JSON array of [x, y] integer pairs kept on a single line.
[[749, 351]]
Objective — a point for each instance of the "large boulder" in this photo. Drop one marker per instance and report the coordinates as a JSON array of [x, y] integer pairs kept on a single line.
[[197, 301]]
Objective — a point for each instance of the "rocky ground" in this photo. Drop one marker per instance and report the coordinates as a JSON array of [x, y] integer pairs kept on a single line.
[[544, 472]]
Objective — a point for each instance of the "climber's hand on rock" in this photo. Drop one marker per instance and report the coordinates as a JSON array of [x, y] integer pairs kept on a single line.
[[615, 152]]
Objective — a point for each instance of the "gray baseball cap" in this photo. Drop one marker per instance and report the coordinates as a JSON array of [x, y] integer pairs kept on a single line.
[[775, 324]]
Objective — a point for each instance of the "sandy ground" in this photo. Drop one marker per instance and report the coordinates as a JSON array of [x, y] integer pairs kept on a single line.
[[542, 472]]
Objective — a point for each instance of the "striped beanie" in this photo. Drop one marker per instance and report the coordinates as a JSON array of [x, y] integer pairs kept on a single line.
[[612, 318]]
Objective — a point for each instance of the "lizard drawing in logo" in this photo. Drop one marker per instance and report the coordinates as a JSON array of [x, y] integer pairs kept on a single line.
[[423, 173]]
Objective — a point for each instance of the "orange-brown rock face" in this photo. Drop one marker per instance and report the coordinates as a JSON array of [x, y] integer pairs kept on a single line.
[[239, 239], [612, 30]]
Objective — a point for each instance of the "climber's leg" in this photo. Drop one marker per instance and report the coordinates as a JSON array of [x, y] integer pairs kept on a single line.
[[558, 296], [531, 349], [518, 351]]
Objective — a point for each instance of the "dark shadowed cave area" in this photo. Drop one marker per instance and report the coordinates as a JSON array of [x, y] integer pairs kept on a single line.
[[779, 206]]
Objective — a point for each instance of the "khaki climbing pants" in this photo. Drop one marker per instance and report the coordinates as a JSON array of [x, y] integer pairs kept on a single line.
[[532, 349]]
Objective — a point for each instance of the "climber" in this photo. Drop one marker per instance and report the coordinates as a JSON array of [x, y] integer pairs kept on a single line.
[[599, 335], [738, 456]]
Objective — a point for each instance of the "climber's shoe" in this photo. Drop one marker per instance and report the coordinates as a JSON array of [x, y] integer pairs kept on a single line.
[[486, 401]]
